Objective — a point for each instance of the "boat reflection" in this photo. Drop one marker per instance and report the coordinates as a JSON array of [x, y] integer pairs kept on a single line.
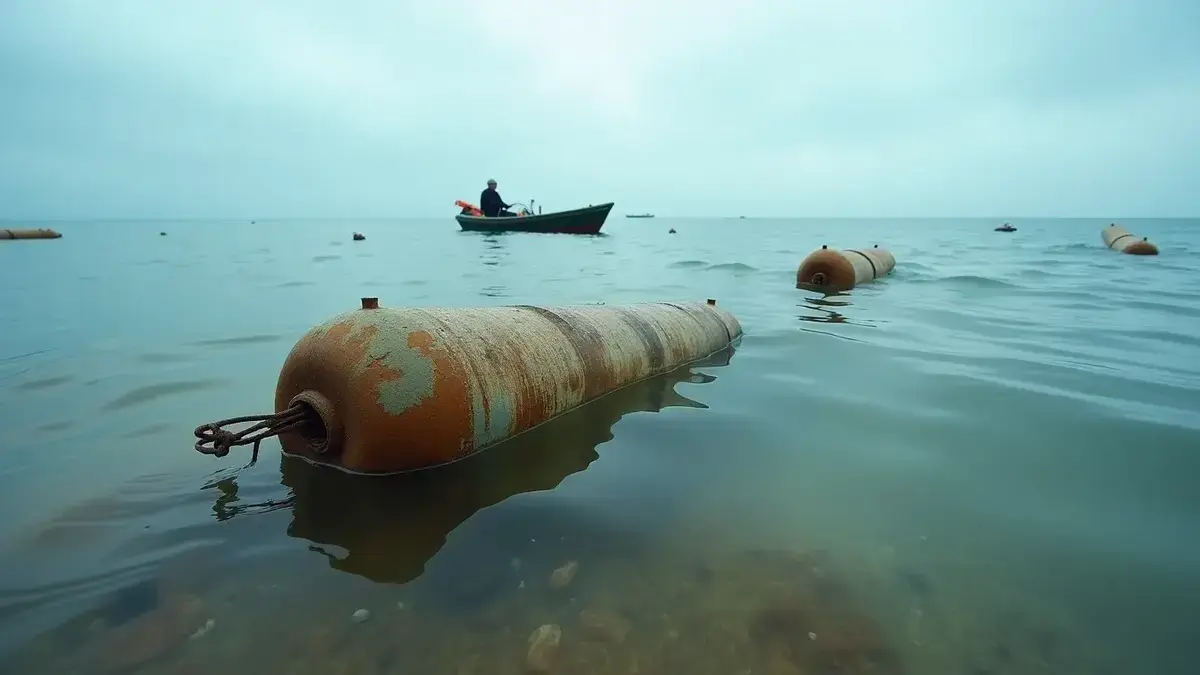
[[387, 528], [494, 250], [493, 255]]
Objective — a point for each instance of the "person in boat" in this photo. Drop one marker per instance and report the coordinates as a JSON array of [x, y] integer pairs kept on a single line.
[[491, 204]]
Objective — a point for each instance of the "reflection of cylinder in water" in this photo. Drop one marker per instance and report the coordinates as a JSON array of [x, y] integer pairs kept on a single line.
[[391, 390], [826, 308], [831, 270], [1119, 239], [331, 508], [42, 233]]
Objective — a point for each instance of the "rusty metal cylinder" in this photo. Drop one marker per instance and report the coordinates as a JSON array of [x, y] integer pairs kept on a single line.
[[1119, 239], [835, 270], [41, 233], [393, 390]]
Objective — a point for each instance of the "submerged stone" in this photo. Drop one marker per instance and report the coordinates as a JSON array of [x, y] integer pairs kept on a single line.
[[543, 648]]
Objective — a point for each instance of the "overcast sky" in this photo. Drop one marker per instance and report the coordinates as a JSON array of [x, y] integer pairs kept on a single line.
[[363, 108]]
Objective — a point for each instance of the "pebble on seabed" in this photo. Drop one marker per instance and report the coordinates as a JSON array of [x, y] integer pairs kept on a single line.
[[543, 647], [203, 630], [360, 615], [562, 576], [604, 625]]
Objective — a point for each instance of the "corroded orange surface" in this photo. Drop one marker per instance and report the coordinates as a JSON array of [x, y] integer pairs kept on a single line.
[[413, 388], [834, 270]]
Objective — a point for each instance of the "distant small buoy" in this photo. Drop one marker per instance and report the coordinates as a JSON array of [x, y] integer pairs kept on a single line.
[[671, 231], [162, 234], [358, 236], [832, 270], [1119, 239], [41, 233]]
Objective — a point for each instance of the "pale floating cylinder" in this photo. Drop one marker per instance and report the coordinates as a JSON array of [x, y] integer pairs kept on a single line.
[[403, 389], [40, 233], [1119, 239], [835, 270]]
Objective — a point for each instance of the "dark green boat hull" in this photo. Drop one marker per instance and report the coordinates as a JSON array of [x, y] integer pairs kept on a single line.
[[587, 220]]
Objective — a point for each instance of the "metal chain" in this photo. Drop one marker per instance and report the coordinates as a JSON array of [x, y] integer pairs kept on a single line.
[[214, 439]]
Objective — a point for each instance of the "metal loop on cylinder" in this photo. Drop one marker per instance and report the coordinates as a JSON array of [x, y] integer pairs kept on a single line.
[[322, 429], [818, 279]]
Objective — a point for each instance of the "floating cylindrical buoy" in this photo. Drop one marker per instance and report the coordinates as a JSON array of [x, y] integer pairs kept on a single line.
[[1119, 239], [379, 390], [829, 269], [41, 233]]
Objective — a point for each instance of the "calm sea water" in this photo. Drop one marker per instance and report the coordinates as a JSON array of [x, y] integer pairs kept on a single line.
[[986, 463]]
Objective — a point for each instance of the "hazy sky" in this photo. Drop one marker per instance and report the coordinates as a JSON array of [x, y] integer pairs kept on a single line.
[[258, 108]]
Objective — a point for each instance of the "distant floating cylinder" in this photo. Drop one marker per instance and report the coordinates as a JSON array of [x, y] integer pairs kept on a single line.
[[1119, 239], [42, 233], [833, 270], [404, 389]]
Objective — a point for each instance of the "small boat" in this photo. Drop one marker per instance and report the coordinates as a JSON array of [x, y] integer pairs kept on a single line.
[[639, 215], [587, 220], [1006, 228]]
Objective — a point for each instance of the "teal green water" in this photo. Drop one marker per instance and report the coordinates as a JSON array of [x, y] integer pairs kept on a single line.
[[986, 463]]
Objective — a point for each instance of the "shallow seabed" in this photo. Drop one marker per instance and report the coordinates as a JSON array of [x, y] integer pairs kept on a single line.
[[983, 464]]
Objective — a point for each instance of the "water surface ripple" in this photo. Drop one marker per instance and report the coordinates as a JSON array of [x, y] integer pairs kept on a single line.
[[985, 463]]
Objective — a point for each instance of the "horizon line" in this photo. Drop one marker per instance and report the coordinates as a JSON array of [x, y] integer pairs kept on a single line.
[[256, 219]]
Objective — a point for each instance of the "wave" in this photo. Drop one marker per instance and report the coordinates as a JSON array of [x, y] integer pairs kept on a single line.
[[705, 265], [966, 281]]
